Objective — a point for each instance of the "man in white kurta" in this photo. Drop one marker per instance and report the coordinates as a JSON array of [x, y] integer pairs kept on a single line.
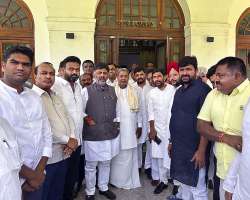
[[24, 111], [10, 163], [159, 108], [130, 119], [237, 180], [144, 87], [69, 90]]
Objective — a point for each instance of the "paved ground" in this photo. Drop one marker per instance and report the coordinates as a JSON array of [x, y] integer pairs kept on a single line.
[[143, 193]]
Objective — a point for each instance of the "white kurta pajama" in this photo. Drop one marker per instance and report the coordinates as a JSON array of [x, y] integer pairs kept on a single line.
[[145, 127], [159, 110], [10, 163], [98, 154], [126, 161]]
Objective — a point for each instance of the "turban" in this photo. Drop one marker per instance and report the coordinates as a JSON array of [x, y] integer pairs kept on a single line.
[[172, 65]]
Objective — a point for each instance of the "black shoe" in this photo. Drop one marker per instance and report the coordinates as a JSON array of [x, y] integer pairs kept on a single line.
[[171, 181], [148, 173], [175, 190], [108, 194], [160, 188], [155, 182], [90, 197]]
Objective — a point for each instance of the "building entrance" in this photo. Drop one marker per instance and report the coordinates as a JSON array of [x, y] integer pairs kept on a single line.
[[134, 51], [139, 31]]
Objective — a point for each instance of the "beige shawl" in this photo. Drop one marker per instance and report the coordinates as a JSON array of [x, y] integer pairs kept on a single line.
[[132, 98]]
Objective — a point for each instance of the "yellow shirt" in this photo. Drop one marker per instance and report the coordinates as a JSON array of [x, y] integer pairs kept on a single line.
[[226, 113]]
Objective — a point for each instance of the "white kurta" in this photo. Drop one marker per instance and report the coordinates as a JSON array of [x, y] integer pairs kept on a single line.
[[237, 180], [99, 150], [144, 112], [129, 121], [10, 163], [126, 161], [73, 102], [26, 114], [159, 110]]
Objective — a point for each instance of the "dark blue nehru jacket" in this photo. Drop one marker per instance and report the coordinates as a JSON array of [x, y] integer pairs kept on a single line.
[[185, 139]]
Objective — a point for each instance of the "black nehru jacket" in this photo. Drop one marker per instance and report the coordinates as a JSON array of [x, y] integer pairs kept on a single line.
[[101, 107]]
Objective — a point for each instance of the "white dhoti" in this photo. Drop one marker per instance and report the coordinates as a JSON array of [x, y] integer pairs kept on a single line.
[[124, 170]]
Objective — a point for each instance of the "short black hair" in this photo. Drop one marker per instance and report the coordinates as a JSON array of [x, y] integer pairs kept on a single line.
[[139, 69], [19, 50], [61, 65], [158, 70], [71, 59], [211, 71], [234, 63], [101, 66], [43, 63], [188, 60], [88, 61]]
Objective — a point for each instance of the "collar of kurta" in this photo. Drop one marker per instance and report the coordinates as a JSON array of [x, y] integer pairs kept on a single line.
[[40, 91], [13, 89], [193, 82], [240, 88], [65, 82]]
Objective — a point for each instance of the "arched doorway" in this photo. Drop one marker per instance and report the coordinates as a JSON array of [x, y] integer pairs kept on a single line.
[[16, 25], [243, 37], [139, 31]]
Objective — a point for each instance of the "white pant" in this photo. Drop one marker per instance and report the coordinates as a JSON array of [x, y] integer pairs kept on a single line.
[[159, 172], [139, 149], [222, 191], [148, 158], [195, 193], [90, 175]]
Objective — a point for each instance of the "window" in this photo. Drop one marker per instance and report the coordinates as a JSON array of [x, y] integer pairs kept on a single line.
[[12, 15], [139, 14], [171, 18], [107, 15], [243, 37], [16, 26], [244, 25]]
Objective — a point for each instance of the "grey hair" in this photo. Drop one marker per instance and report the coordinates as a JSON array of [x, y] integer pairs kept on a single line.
[[122, 70]]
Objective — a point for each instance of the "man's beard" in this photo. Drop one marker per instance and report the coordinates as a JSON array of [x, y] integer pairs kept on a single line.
[[141, 81], [100, 82], [185, 81], [72, 78], [160, 84]]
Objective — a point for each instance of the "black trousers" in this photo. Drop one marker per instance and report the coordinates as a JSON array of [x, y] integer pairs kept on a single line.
[[216, 194], [72, 174], [81, 174]]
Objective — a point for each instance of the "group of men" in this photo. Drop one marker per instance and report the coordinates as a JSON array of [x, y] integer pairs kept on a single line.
[[64, 130]]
